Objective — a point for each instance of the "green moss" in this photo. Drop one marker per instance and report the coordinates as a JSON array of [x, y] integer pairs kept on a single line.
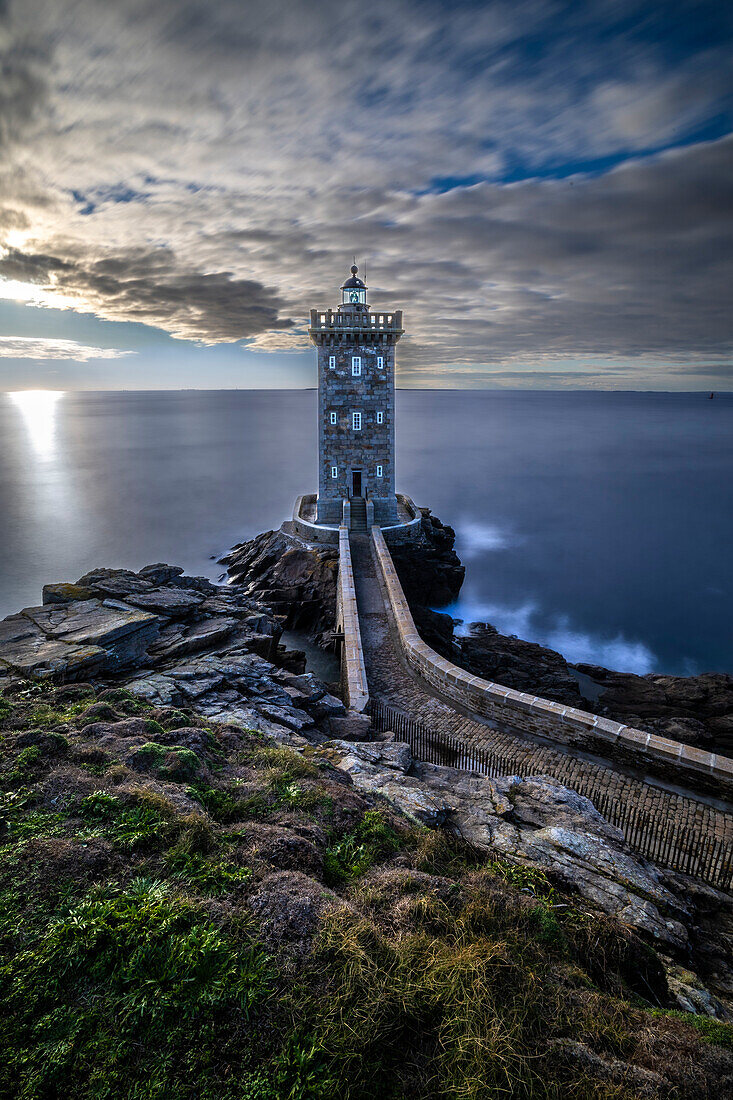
[[183, 764], [48, 715], [153, 728], [717, 1032], [125, 701], [27, 757], [151, 753], [174, 764]]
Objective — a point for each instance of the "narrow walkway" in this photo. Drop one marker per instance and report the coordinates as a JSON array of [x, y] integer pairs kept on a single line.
[[392, 682]]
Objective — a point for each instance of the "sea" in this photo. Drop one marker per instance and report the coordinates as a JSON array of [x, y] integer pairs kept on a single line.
[[597, 523]]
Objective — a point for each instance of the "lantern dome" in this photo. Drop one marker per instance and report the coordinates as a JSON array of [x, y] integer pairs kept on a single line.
[[353, 291]]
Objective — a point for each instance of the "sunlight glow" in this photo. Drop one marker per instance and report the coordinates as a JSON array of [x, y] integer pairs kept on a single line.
[[34, 295], [38, 409]]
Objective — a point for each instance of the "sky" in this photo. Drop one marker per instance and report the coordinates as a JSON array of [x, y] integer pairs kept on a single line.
[[545, 189]]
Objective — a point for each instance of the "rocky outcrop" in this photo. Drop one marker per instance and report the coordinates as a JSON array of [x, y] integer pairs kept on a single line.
[[695, 709], [535, 822], [296, 581], [77, 639], [512, 662], [429, 569], [171, 640], [182, 642]]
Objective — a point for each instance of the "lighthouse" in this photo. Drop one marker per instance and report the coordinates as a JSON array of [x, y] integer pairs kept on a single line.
[[356, 407]]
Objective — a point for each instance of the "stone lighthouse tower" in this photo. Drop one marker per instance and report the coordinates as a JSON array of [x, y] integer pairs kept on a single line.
[[356, 400]]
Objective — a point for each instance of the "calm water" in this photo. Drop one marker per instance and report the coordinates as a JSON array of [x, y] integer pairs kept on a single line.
[[600, 524]]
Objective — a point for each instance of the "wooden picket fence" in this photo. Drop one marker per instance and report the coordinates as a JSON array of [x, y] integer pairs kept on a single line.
[[654, 836]]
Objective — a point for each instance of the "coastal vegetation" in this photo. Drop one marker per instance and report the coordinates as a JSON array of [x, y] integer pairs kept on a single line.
[[189, 911]]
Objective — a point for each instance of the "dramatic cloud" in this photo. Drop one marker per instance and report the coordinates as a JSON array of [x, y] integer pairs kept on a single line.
[[31, 347], [534, 182], [149, 286]]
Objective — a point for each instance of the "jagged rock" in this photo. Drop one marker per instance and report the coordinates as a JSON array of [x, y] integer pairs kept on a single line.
[[155, 688], [515, 663], [201, 585], [63, 592], [160, 573], [430, 571], [644, 1082], [286, 716], [534, 821], [262, 624], [691, 995], [295, 580], [27, 651], [396, 756], [115, 583], [74, 639], [180, 641], [328, 706], [380, 767], [352, 727], [174, 603], [695, 709], [265, 645]]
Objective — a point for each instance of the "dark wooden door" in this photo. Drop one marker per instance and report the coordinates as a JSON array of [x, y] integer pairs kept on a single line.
[[356, 479]]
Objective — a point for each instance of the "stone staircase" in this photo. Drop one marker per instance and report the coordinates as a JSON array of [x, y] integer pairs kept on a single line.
[[358, 514]]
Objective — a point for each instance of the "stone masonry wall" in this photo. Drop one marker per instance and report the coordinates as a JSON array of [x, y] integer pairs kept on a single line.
[[353, 670], [563, 724], [347, 449]]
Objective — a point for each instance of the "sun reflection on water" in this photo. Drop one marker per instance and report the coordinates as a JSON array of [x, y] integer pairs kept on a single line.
[[38, 409]]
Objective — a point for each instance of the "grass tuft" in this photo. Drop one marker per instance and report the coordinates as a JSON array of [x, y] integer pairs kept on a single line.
[[354, 853], [104, 1000]]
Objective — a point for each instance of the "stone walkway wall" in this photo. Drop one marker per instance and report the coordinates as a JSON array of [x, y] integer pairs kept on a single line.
[[391, 680], [676, 762], [353, 672]]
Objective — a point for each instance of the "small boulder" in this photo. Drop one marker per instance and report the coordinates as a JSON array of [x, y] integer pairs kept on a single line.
[[63, 592], [160, 573], [174, 603]]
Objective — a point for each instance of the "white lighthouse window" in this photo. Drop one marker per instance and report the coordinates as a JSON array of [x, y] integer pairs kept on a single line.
[[332, 361], [380, 471], [333, 418], [356, 365], [380, 362], [356, 421], [334, 471], [380, 418]]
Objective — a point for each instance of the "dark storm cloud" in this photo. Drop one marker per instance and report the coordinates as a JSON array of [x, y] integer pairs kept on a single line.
[[22, 86], [148, 286], [210, 167]]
